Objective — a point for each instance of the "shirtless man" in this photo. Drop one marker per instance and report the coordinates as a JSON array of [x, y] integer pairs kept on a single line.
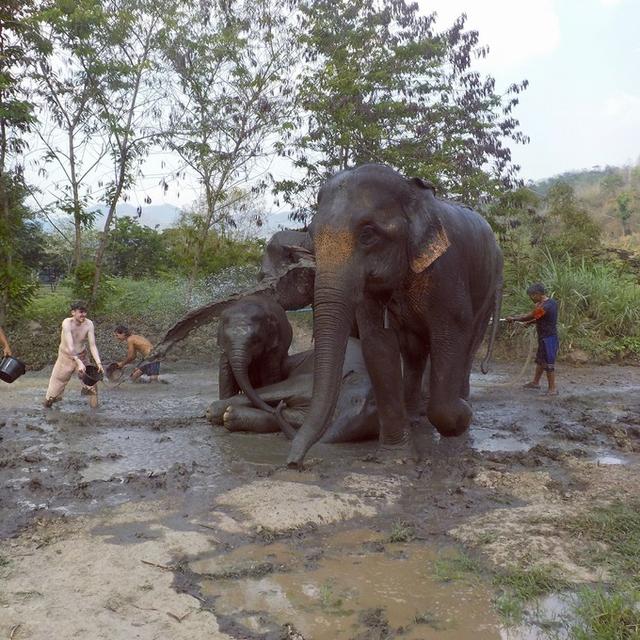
[[72, 356], [4, 343], [137, 345]]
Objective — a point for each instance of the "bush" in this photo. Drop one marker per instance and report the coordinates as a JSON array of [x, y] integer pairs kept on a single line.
[[599, 306]]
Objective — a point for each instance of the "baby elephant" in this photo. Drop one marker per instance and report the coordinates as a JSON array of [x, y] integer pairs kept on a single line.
[[254, 337]]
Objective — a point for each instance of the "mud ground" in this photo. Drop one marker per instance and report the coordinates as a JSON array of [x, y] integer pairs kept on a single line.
[[140, 520]]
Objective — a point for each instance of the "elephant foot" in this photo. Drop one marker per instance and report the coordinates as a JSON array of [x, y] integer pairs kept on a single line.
[[400, 453], [249, 419], [452, 418], [215, 413]]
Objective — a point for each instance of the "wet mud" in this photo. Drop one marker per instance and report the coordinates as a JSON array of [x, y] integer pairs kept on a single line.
[[207, 524]]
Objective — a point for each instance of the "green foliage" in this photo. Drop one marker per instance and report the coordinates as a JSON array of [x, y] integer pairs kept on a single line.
[[219, 251], [154, 303], [412, 101], [134, 250], [516, 587], [575, 233], [17, 282], [607, 616], [401, 531], [82, 287], [612, 535], [457, 567]]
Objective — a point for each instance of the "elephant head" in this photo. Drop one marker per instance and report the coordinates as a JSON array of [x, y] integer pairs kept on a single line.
[[254, 336], [373, 232]]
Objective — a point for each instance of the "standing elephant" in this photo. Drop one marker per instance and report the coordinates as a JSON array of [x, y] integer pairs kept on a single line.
[[284, 249], [254, 336], [422, 277]]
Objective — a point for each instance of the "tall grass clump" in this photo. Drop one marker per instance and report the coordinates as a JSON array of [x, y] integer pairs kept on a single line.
[[599, 306]]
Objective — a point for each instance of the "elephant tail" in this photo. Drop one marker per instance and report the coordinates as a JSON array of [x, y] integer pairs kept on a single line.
[[497, 304]]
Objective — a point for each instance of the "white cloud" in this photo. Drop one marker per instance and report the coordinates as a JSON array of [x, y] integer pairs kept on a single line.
[[514, 30], [610, 3], [623, 106]]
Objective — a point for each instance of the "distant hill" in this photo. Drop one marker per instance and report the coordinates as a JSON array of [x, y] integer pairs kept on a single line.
[[156, 216]]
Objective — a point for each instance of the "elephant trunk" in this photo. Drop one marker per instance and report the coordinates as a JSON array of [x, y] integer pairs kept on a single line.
[[239, 363], [332, 317]]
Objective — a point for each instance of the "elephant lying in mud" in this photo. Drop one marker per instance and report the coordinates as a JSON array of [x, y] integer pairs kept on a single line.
[[355, 417]]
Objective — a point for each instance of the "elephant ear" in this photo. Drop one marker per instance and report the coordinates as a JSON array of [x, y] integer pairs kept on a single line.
[[428, 238]]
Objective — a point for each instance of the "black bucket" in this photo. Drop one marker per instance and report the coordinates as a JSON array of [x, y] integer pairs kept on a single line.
[[112, 372], [11, 369], [91, 375]]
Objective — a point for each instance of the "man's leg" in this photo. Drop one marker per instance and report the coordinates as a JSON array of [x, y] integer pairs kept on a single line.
[[551, 379], [535, 383], [63, 369], [136, 375]]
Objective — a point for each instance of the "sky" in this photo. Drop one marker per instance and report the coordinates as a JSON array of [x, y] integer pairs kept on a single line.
[[582, 106], [582, 61]]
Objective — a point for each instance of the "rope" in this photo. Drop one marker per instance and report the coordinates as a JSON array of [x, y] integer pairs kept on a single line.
[[533, 343]]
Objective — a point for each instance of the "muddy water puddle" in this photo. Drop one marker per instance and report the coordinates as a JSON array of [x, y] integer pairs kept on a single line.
[[351, 585]]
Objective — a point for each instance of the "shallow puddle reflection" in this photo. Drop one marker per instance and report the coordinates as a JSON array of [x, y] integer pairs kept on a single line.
[[350, 586]]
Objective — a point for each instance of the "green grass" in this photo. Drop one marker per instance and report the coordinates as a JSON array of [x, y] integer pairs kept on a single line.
[[457, 567], [607, 616], [401, 531], [599, 306], [612, 539], [516, 587]]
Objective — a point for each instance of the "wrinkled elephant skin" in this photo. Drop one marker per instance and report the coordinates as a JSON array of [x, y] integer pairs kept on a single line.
[[355, 416], [422, 277], [254, 336]]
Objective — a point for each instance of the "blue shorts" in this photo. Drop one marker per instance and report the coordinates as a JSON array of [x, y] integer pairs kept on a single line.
[[151, 368], [547, 352]]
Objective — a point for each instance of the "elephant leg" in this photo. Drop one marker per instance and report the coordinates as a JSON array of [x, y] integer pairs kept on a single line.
[[381, 353], [447, 410], [414, 360], [239, 418]]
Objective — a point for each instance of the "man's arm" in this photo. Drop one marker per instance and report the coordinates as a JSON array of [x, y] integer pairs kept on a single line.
[[131, 354], [91, 339], [6, 349], [527, 318]]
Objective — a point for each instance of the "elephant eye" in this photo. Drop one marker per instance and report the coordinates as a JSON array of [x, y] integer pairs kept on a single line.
[[368, 236]]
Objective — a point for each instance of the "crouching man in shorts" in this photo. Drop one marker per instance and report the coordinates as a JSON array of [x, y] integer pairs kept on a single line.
[[77, 331], [137, 345]]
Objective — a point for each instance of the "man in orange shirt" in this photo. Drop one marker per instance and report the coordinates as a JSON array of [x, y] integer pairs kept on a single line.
[[137, 345], [545, 316]]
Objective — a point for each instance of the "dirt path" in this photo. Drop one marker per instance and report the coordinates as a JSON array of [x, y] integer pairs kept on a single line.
[[140, 520]]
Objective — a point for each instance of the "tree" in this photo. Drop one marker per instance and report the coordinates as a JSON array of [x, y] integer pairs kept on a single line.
[[126, 88], [625, 208], [574, 231], [134, 250], [16, 118], [69, 131], [232, 66], [412, 101]]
